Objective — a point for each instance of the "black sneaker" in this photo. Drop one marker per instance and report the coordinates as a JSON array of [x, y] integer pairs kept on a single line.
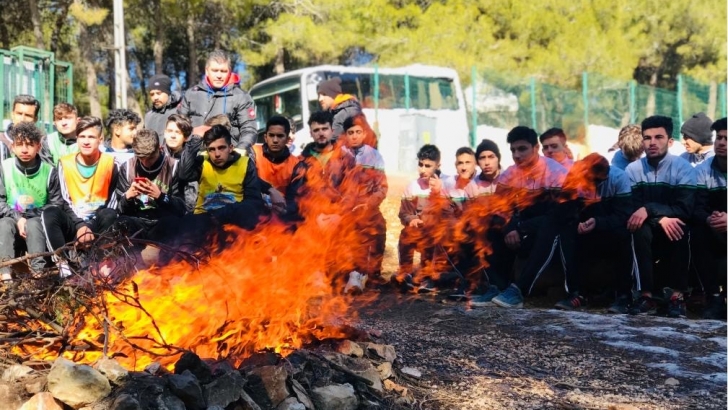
[[676, 307], [573, 302], [645, 305], [716, 308], [620, 305]]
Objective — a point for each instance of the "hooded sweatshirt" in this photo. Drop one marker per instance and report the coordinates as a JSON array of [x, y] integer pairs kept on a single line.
[[202, 102]]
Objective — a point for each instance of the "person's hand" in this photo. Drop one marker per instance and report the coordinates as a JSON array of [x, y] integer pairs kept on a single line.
[[200, 130], [133, 191], [149, 188], [717, 221], [21, 227], [637, 219], [435, 183], [513, 240], [84, 234], [586, 226], [416, 223], [277, 201], [673, 228]]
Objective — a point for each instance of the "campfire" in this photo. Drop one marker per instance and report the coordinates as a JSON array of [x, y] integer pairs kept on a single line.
[[258, 308]]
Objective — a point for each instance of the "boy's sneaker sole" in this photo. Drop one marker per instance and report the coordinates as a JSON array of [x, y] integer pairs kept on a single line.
[[507, 305]]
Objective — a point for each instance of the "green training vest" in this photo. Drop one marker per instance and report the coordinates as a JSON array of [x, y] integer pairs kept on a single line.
[[58, 149], [25, 192]]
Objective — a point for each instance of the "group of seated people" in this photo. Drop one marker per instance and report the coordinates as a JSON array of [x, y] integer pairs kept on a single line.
[[73, 184], [659, 220]]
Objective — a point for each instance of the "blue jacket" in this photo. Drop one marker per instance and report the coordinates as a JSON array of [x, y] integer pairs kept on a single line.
[[711, 192]]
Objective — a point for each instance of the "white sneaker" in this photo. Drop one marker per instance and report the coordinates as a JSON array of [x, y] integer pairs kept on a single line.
[[356, 283]]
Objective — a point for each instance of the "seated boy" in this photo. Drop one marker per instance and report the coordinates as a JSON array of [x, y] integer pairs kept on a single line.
[[88, 181], [121, 125], [63, 141], [27, 186], [420, 212]]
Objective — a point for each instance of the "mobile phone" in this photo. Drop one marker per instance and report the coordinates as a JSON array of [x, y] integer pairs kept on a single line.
[[437, 172], [139, 179]]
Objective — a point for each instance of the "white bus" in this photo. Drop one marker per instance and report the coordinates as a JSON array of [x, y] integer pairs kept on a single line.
[[408, 107]]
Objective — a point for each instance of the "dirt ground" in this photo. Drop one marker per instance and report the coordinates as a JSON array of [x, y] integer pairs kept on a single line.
[[539, 358]]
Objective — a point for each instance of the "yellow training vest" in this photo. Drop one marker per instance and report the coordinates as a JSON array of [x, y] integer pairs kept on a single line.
[[220, 187], [87, 194]]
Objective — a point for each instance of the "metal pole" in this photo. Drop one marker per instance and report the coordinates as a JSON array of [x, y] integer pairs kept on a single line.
[[533, 102], [679, 105], [473, 106], [722, 97], [632, 102], [376, 97], [119, 55], [406, 91]]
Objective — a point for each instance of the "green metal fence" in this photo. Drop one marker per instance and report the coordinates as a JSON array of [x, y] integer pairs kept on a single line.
[[504, 101], [25, 70]]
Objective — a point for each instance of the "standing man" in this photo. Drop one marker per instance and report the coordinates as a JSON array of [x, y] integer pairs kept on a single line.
[[220, 93], [25, 109], [340, 105], [164, 104], [663, 188], [698, 139], [63, 141]]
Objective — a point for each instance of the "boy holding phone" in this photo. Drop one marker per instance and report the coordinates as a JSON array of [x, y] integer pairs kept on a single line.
[[147, 187]]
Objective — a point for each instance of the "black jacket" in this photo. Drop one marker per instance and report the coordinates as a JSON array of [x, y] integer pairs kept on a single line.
[[202, 102], [157, 119], [170, 203]]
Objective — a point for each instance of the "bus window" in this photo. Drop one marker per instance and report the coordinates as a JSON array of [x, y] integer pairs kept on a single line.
[[279, 98]]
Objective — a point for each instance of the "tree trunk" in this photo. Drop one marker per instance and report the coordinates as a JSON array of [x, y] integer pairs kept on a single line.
[[651, 98], [35, 20], [192, 74], [280, 66], [158, 46], [59, 24], [132, 100], [712, 99], [91, 76]]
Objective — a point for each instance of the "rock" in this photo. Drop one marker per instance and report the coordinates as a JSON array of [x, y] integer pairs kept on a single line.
[[125, 402], [369, 405], [246, 403], [359, 366], [168, 401], [156, 369], [349, 348], [76, 385], [35, 385], [220, 368], [10, 395], [392, 386], [112, 370], [672, 382], [411, 371], [216, 408], [301, 394], [385, 370], [384, 352], [334, 397], [187, 388], [267, 385], [224, 390], [42, 401], [291, 404], [16, 372], [193, 363]]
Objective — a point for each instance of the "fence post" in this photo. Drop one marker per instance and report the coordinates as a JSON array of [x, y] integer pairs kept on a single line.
[[376, 98], [473, 107], [722, 97], [533, 102], [585, 96], [69, 85], [632, 101], [3, 95], [406, 92], [679, 102]]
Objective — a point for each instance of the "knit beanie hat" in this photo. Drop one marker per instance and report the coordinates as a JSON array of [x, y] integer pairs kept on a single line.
[[330, 87], [487, 145], [162, 83], [697, 128]]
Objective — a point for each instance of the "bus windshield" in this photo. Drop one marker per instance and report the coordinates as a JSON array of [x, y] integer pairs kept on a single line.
[[425, 93], [278, 98]]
